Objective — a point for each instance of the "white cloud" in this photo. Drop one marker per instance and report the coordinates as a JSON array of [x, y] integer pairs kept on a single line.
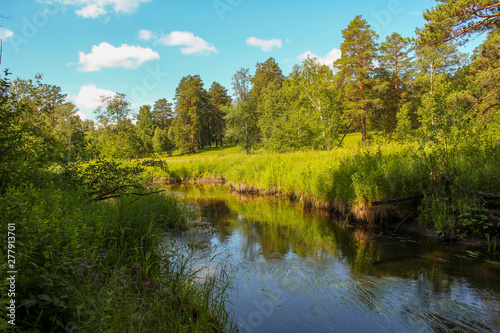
[[90, 11], [145, 34], [90, 97], [192, 43], [106, 55], [82, 115], [5, 33], [265, 45], [96, 8], [327, 60]]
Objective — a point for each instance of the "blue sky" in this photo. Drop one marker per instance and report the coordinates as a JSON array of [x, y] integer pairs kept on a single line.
[[143, 48]]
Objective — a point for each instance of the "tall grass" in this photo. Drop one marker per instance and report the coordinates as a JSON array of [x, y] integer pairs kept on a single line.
[[349, 179], [87, 266]]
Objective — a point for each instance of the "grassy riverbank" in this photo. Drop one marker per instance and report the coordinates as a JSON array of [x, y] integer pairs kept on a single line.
[[102, 265], [451, 180]]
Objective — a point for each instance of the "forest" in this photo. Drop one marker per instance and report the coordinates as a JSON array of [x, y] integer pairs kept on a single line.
[[428, 118]]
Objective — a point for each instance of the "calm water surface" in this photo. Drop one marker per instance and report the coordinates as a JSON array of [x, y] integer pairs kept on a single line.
[[296, 271]]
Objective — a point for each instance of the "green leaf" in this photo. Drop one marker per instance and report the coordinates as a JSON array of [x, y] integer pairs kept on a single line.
[[44, 297], [28, 303]]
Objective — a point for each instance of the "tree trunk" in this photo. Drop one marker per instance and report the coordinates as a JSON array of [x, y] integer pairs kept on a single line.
[[193, 146], [322, 124], [363, 115], [363, 129]]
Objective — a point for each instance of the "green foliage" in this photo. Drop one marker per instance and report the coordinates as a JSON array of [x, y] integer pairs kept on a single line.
[[116, 144], [114, 111], [218, 100], [404, 125], [435, 213], [395, 74], [161, 143], [191, 121], [155, 163], [474, 221], [241, 124], [117, 137], [459, 19], [356, 69], [104, 266], [266, 73], [36, 129], [103, 177], [163, 114], [483, 77], [145, 129], [242, 117], [304, 113]]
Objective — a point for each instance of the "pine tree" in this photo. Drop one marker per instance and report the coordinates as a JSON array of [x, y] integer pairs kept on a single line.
[[218, 98], [266, 73], [190, 125], [357, 68], [163, 114], [462, 19], [484, 78]]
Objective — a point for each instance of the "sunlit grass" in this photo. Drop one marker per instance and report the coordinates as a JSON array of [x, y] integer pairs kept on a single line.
[[350, 178]]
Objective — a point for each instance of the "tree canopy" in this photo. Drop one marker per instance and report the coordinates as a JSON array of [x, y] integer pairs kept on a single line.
[[460, 19]]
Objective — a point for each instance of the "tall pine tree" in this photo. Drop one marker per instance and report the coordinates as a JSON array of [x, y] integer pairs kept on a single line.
[[191, 110], [356, 69], [218, 98]]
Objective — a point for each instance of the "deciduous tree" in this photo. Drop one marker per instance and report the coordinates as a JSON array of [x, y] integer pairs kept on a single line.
[[241, 117]]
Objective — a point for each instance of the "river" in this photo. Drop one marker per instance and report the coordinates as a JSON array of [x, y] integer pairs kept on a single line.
[[292, 270]]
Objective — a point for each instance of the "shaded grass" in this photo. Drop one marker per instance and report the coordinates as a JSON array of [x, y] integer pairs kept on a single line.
[[105, 266]]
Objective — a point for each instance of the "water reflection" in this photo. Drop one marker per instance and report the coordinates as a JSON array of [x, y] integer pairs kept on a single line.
[[296, 271]]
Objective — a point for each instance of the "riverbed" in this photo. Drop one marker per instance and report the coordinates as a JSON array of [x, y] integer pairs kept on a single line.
[[294, 270]]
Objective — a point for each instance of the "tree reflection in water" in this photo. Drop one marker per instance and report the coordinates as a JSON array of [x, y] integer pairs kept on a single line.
[[335, 278]]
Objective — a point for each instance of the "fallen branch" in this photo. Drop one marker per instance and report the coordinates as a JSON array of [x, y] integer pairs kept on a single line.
[[108, 196], [394, 200]]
